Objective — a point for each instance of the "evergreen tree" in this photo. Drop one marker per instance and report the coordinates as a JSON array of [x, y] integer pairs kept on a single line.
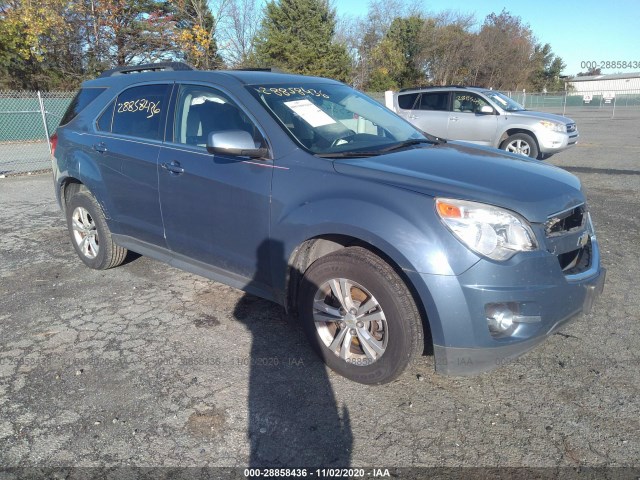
[[298, 36]]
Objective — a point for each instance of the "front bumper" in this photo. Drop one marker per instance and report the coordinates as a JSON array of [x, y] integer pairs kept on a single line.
[[472, 361], [463, 344], [552, 142]]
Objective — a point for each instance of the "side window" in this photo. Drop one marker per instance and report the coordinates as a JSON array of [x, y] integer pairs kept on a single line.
[[435, 101], [83, 98], [466, 102], [104, 121], [140, 111], [202, 110], [406, 101]]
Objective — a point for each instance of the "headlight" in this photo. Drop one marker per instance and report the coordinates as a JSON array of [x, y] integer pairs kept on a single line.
[[556, 127], [490, 231]]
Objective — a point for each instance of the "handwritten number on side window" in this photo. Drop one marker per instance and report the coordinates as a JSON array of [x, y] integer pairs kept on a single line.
[[140, 105]]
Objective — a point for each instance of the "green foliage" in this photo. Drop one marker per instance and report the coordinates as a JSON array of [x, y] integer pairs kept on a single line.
[[298, 36], [55, 44], [405, 35], [547, 70]]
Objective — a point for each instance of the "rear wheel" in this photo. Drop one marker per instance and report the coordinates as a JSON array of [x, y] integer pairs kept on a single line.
[[90, 233], [521, 144], [360, 316]]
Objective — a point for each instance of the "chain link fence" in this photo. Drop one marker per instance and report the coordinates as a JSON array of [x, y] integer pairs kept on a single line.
[[27, 119], [597, 104]]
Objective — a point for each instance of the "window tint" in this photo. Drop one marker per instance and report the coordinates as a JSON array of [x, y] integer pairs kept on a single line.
[[104, 122], [83, 98], [407, 101], [140, 111], [435, 101], [466, 102], [202, 110]]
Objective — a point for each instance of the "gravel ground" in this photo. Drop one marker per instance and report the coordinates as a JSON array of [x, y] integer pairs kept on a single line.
[[16, 158], [146, 365]]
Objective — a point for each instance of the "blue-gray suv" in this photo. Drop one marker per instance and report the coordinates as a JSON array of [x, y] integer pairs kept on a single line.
[[384, 242]]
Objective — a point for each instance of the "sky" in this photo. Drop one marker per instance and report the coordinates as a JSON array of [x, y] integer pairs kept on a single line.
[[577, 30]]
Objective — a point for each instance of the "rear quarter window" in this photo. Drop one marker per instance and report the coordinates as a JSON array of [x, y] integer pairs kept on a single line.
[[407, 100], [104, 122], [82, 99]]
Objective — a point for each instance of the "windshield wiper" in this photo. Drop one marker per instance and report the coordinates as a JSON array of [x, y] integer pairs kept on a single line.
[[409, 143], [396, 146], [348, 154]]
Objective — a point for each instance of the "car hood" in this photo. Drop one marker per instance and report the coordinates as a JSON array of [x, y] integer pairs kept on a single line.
[[533, 189], [542, 116]]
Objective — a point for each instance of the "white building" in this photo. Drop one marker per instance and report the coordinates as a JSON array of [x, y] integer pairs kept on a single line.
[[604, 88]]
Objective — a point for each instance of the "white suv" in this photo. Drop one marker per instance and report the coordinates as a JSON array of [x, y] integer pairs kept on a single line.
[[485, 117]]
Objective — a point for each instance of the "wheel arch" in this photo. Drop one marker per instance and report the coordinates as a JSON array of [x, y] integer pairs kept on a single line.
[[69, 186], [512, 131], [320, 246]]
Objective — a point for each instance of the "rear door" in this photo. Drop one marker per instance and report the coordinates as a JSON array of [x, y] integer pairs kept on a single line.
[[215, 207], [431, 113], [130, 136], [406, 103]]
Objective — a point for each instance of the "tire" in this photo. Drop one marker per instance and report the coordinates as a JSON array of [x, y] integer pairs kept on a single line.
[[373, 351], [521, 144], [90, 234]]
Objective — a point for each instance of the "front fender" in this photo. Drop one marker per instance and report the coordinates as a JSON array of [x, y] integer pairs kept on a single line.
[[418, 243]]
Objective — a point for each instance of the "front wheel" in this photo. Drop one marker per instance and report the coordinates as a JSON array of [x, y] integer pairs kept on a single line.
[[90, 233], [521, 144], [360, 316]]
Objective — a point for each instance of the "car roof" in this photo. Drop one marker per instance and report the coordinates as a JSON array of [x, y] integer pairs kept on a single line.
[[246, 77]]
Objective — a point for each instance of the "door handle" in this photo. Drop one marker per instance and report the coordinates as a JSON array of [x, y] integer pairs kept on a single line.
[[173, 167], [100, 147], [413, 117], [453, 119]]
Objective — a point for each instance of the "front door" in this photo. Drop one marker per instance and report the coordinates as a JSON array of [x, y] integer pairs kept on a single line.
[[468, 123], [215, 207]]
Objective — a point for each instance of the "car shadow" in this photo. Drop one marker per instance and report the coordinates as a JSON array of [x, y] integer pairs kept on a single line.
[[293, 416]]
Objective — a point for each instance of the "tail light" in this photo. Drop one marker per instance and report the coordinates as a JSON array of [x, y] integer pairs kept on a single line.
[[53, 141]]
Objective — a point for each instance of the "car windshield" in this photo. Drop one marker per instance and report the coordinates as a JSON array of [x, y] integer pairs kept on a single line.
[[335, 120], [505, 102]]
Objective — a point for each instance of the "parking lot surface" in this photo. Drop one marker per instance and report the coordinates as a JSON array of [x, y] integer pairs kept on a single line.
[[145, 365]]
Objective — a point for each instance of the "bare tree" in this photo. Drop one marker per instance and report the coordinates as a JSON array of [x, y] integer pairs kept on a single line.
[[239, 21]]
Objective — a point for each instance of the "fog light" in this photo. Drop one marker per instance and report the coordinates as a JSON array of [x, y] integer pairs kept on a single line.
[[499, 318]]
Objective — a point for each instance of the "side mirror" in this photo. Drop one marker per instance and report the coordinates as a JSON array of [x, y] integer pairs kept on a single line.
[[236, 143], [486, 110]]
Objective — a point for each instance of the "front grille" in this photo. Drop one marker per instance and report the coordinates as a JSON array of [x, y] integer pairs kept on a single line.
[[571, 127], [569, 237], [566, 221], [576, 261]]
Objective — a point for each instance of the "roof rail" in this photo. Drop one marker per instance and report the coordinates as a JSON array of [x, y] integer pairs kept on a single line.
[[257, 69], [152, 67], [419, 87], [427, 87]]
